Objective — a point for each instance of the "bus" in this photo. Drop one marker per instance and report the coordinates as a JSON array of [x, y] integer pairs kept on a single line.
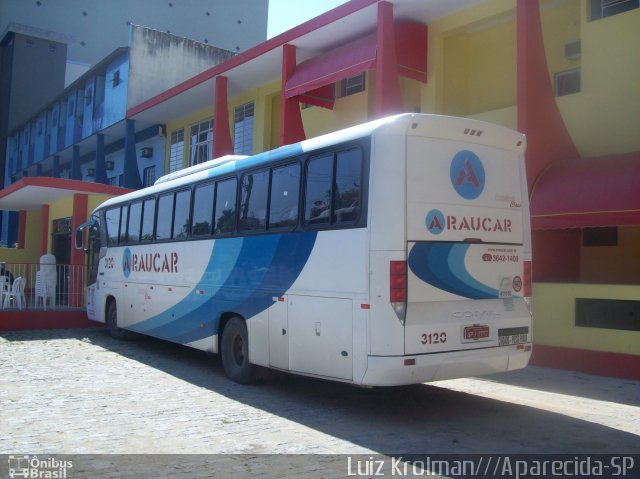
[[390, 253]]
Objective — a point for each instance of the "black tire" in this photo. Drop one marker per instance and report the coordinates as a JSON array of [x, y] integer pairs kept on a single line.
[[234, 352], [112, 323]]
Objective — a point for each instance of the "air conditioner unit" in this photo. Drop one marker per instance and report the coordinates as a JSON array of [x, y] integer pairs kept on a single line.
[[573, 50]]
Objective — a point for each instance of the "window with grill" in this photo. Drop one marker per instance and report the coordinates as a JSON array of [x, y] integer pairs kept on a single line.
[[567, 82], [351, 85], [243, 129], [605, 8], [176, 150], [201, 142], [148, 176]]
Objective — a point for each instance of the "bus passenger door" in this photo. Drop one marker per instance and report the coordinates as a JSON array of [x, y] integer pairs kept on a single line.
[[279, 334]]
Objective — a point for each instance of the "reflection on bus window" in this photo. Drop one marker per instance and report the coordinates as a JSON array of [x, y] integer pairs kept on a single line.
[[253, 201], [318, 197], [283, 204], [113, 221], [148, 218], [346, 195], [225, 219], [135, 212], [202, 210], [165, 211], [181, 215]]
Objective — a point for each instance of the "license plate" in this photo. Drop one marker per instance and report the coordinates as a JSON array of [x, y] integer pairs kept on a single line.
[[476, 332], [513, 339], [509, 336]]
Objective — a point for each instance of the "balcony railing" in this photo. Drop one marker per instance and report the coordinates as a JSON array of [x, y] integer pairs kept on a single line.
[[41, 287]]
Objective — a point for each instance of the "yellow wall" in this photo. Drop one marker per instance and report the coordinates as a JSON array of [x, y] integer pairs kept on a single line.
[[613, 264], [347, 111], [472, 70], [554, 318], [605, 117]]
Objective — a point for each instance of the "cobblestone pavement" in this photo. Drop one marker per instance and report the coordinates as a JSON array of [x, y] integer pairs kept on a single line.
[[80, 391]]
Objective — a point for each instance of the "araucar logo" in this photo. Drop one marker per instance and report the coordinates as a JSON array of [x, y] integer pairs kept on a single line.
[[467, 174], [435, 222], [126, 262]]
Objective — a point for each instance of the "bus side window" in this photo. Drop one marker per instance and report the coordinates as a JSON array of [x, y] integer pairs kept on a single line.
[[165, 213], [124, 214], [148, 219], [225, 215], [202, 210], [133, 228], [181, 215], [283, 204], [346, 192], [113, 223], [253, 201], [318, 190]]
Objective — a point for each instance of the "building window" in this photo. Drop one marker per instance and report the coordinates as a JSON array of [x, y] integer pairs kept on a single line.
[[116, 78], [201, 142], [243, 129], [600, 236], [608, 313], [567, 82], [351, 85], [88, 97], [148, 176], [176, 150], [606, 8]]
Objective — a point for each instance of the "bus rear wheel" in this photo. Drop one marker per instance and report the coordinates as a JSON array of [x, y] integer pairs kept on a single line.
[[234, 351], [112, 323]]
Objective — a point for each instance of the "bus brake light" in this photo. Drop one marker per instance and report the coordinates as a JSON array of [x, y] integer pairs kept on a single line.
[[398, 288]]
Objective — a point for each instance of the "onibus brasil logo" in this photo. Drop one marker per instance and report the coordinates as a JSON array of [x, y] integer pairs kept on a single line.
[[34, 467]]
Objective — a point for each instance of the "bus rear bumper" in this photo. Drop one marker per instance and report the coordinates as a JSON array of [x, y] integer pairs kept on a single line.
[[394, 370]]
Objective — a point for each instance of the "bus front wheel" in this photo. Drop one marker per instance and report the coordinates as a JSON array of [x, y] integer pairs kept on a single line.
[[234, 351], [112, 323]]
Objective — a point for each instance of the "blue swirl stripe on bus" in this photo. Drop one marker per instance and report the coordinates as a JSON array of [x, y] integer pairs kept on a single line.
[[265, 267], [221, 264], [442, 265]]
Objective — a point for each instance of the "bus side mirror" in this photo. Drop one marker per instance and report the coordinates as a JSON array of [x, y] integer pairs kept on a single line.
[[82, 235]]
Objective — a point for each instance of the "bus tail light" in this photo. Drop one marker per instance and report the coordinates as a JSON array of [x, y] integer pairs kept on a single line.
[[526, 287], [398, 288]]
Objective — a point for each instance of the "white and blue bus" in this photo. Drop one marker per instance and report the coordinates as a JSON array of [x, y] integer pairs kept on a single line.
[[393, 252]]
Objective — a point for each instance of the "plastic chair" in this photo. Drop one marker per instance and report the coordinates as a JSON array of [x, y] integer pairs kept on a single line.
[[5, 287], [42, 293], [16, 294], [48, 280]]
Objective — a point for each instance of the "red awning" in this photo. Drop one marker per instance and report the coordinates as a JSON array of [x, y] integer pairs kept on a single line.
[[342, 62], [586, 193], [312, 80]]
